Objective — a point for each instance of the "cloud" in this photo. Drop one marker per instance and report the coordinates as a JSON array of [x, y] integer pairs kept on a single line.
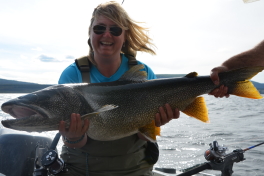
[[70, 57], [44, 58], [47, 59], [36, 49]]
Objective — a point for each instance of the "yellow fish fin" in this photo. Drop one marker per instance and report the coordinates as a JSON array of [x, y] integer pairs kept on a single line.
[[197, 109], [102, 109], [150, 131], [246, 89]]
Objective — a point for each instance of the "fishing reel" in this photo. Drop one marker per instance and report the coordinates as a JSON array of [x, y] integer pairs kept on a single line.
[[218, 160], [221, 161], [216, 153], [50, 163]]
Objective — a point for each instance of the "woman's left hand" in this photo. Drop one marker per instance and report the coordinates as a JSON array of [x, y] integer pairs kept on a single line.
[[165, 115]]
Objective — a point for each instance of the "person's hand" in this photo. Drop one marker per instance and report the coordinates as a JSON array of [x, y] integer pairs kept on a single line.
[[222, 90], [164, 116], [77, 128]]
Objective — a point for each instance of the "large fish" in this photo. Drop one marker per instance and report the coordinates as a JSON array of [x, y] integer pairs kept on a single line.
[[124, 107]]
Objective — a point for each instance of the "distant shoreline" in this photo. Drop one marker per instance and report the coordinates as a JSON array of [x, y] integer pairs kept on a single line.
[[21, 88]]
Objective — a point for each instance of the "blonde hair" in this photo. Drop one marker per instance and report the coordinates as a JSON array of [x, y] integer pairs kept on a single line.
[[136, 38]]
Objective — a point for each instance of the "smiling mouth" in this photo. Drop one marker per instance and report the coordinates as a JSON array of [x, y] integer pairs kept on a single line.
[[106, 43]]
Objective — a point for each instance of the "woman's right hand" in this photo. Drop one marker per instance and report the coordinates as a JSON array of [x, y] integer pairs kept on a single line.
[[77, 129]]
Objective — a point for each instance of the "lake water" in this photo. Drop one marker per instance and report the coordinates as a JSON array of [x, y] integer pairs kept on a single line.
[[235, 122]]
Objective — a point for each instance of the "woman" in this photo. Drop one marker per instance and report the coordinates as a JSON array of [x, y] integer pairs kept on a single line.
[[113, 35]]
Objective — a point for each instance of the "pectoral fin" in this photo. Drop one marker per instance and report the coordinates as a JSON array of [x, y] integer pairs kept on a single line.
[[197, 109], [150, 131], [103, 109]]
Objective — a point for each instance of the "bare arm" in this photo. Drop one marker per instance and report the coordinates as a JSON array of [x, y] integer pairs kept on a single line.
[[252, 57]]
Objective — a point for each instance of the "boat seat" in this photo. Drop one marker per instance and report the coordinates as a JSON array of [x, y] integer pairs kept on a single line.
[[18, 151]]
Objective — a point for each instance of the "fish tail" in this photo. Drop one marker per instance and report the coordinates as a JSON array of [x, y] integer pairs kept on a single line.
[[246, 89], [150, 131], [238, 82], [197, 109]]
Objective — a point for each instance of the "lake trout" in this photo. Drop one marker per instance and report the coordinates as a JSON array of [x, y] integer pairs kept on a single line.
[[123, 107]]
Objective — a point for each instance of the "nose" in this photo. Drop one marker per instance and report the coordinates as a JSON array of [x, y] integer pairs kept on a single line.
[[107, 33]]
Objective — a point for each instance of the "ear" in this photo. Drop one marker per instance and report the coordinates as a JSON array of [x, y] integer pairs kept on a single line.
[[89, 43]]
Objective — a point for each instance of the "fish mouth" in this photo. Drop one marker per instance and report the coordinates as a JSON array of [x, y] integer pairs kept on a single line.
[[28, 118], [19, 111]]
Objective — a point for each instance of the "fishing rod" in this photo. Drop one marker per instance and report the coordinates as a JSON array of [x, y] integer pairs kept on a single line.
[[219, 160], [253, 146], [216, 155]]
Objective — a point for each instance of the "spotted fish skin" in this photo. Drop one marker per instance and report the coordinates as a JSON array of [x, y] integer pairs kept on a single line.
[[124, 107]]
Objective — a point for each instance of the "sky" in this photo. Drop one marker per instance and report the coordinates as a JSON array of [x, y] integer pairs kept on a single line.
[[40, 38]]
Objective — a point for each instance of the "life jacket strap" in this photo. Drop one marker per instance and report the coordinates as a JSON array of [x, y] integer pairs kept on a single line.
[[83, 65], [132, 61]]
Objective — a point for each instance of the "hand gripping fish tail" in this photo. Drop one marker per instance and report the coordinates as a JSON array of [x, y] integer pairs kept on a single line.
[[242, 86]]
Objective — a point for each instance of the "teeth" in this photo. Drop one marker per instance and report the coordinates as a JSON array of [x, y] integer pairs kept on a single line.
[[106, 43]]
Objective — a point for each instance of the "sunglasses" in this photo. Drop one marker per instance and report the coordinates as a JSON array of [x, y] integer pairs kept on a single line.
[[114, 30]]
